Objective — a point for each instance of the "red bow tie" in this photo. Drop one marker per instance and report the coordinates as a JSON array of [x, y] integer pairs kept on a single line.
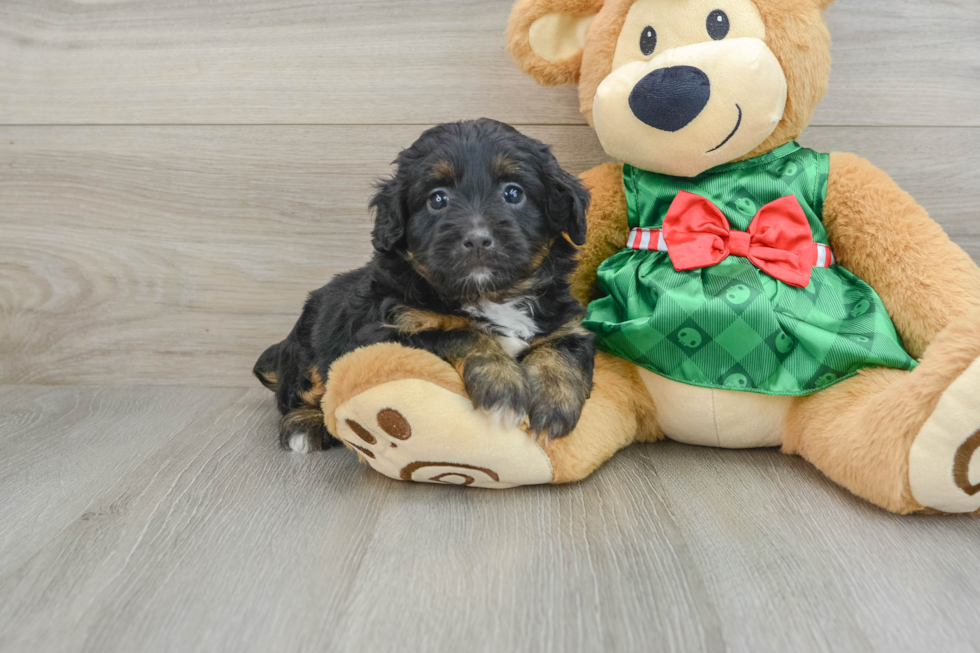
[[697, 235]]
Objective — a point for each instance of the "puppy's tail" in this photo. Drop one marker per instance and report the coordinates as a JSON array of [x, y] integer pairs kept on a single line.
[[266, 369], [301, 427]]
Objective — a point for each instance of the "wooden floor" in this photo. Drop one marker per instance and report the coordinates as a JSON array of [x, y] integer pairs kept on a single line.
[[165, 519], [175, 176]]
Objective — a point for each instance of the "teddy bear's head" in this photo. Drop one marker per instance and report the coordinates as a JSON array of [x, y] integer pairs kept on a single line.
[[680, 86]]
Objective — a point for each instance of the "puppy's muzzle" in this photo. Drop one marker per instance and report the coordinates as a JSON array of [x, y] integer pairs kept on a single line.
[[477, 241]]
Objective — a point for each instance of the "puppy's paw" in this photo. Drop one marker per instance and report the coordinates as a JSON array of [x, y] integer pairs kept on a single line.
[[507, 418], [300, 442], [498, 388], [302, 431], [553, 417], [558, 395]]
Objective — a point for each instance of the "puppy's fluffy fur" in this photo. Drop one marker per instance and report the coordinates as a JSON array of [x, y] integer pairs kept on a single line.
[[473, 244]]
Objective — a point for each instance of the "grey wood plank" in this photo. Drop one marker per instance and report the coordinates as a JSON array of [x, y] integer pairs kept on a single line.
[[175, 255], [782, 549], [60, 449], [678, 548], [897, 62], [903, 63], [599, 566], [218, 541]]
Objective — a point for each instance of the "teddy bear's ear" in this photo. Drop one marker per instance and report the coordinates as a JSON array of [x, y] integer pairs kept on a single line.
[[546, 37]]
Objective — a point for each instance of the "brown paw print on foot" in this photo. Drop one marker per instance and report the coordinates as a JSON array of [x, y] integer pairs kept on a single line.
[[413, 430], [394, 424], [944, 461], [961, 465], [448, 473], [390, 421]]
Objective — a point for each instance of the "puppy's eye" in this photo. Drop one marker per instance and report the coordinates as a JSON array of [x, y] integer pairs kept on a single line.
[[513, 194], [718, 24], [648, 41], [438, 200]]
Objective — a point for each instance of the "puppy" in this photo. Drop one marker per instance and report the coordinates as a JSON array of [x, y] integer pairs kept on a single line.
[[473, 242]]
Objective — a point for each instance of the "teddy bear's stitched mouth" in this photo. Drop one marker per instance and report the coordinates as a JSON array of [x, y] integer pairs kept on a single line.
[[737, 125]]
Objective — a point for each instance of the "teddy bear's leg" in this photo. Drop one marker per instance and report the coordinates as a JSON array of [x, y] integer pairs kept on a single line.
[[405, 412], [906, 441], [618, 413]]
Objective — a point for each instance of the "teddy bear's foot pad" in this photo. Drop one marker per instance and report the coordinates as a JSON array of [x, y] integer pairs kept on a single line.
[[944, 462], [413, 430]]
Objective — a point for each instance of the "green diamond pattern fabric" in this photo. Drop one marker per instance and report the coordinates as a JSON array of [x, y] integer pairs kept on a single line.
[[731, 326]]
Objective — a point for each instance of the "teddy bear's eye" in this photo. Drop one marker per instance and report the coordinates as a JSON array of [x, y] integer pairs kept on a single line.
[[648, 41], [718, 24]]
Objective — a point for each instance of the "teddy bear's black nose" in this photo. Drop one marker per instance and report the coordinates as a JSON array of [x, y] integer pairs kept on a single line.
[[670, 98]]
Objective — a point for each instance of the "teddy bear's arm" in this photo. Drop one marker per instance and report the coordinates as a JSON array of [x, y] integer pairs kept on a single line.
[[882, 235], [608, 228]]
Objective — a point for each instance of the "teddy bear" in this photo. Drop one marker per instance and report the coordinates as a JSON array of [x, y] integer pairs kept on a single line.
[[744, 291]]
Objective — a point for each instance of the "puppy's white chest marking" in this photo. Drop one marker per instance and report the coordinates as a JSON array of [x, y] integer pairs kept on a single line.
[[511, 323]]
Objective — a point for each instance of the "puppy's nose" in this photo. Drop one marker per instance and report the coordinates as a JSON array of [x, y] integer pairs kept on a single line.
[[668, 99], [478, 240]]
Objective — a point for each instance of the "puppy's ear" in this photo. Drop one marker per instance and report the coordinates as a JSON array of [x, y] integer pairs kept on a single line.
[[568, 203], [390, 215]]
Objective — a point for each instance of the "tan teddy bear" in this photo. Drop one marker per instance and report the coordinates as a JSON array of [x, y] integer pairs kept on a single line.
[[745, 291]]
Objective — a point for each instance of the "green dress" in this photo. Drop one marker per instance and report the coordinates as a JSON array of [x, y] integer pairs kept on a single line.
[[732, 326]]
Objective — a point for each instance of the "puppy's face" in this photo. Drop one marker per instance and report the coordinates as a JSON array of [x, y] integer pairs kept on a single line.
[[475, 206]]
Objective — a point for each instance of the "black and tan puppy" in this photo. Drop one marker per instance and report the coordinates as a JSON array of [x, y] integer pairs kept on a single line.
[[471, 260]]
